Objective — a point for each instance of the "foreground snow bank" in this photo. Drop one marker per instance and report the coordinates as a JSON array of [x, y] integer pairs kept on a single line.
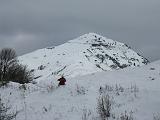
[[134, 90]]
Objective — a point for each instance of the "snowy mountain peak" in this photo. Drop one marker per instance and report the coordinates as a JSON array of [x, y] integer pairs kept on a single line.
[[91, 38], [86, 54]]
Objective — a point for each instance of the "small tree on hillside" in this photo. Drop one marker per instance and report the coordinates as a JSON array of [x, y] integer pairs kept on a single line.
[[7, 58], [19, 73], [11, 70]]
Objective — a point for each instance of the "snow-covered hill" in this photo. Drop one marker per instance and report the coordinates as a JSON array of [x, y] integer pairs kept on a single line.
[[132, 91], [92, 66], [89, 53]]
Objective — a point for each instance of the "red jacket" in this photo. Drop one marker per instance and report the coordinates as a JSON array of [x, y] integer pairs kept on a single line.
[[62, 81]]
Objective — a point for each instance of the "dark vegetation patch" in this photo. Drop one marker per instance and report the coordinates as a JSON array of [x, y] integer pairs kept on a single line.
[[11, 70]]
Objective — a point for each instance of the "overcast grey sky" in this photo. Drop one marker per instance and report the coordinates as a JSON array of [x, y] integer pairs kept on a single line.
[[27, 25]]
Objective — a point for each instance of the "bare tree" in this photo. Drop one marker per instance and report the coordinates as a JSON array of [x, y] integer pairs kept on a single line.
[[7, 58], [7, 54], [19, 73], [11, 70]]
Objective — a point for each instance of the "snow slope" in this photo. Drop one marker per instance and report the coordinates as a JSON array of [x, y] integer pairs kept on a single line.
[[89, 63], [89, 53], [135, 90]]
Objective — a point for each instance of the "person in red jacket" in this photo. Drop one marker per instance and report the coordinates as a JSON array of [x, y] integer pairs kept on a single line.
[[62, 81]]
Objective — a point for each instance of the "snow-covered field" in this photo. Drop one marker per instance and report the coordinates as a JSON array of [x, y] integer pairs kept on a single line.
[[92, 66], [135, 90]]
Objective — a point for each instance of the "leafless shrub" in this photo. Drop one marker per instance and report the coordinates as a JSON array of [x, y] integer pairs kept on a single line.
[[19, 73], [126, 116], [86, 114], [119, 89], [7, 58], [107, 88], [106, 104], [134, 89], [4, 115], [11, 70], [104, 107]]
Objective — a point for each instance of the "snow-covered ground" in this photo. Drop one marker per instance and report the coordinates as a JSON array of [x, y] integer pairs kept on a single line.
[[135, 90], [92, 66]]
